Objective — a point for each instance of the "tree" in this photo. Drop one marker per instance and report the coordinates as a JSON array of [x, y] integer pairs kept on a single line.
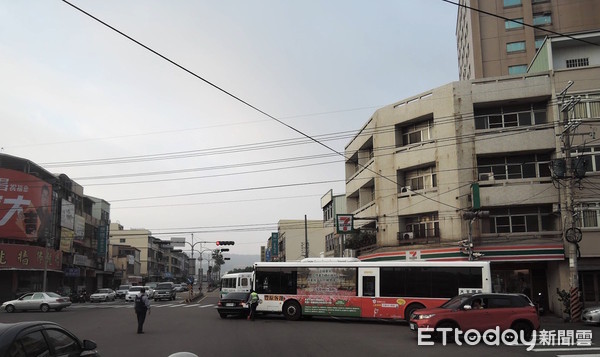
[[241, 270], [360, 239]]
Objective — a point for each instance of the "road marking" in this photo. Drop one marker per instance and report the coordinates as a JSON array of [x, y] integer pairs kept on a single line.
[[165, 305], [191, 305], [209, 305], [178, 305]]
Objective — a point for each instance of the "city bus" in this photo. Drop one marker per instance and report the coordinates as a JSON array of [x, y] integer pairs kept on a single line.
[[352, 288], [236, 282]]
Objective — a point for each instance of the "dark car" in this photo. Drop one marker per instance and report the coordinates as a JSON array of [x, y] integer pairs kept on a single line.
[[234, 304], [42, 338], [480, 312]]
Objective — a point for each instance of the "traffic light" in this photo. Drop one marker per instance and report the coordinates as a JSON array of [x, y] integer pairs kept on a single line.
[[225, 242]]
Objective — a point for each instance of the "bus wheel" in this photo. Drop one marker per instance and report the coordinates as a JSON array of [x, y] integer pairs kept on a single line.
[[292, 311], [410, 309]]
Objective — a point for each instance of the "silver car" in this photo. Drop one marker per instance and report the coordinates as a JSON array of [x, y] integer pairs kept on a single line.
[[591, 315], [43, 301], [103, 295]]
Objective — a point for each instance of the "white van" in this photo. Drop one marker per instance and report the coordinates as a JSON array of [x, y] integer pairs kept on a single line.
[[236, 282]]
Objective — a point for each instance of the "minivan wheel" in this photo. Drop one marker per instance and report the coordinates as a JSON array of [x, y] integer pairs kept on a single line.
[[10, 308]]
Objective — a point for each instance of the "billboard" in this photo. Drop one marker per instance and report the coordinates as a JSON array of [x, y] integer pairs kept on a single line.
[[67, 215], [25, 207], [29, 257]]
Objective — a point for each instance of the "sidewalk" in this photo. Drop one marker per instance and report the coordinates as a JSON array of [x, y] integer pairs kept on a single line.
[[553, 322]]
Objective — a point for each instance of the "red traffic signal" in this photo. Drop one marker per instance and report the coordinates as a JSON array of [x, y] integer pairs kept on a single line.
[[225, 242]]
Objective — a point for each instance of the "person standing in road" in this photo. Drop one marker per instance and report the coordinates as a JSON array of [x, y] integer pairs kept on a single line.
[[253, 301], [142, 305]]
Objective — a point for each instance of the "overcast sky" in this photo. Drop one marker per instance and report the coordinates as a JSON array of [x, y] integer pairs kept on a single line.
[[175, 155]]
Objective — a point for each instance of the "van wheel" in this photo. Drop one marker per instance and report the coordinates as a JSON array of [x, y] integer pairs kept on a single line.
[[410, 309], [292, 311]]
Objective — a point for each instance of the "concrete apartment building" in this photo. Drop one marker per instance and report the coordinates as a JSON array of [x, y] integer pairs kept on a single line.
[[292, 237], [419, 164], [158, 261], [331, 206], [491, 46]]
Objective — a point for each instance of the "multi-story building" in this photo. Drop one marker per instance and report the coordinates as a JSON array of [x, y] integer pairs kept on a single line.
[[48, 215], [292, 238], [332, 205], [491, 46], [418, 165], [127, 264], [152, 256]]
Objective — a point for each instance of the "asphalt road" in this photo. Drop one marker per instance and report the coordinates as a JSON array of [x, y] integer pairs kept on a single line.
[[175, 326]]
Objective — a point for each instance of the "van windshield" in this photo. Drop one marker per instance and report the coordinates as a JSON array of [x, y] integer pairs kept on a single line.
[[164, 286]]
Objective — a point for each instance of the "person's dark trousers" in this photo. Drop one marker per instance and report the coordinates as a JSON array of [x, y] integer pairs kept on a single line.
[[141, 317], [253, 310]]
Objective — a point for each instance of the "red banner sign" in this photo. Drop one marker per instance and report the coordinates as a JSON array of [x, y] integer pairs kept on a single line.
[[17, 256], [25, 206]]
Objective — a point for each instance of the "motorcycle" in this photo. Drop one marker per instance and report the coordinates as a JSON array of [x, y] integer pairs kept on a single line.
[[79, 297]]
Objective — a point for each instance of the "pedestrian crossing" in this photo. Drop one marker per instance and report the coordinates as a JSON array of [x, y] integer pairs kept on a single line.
[[130, 306]]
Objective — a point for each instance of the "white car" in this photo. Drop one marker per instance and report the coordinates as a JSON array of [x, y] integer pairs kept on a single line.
[[103, 295], [43, 301], [591, 315], [133, 292], [149, 291]]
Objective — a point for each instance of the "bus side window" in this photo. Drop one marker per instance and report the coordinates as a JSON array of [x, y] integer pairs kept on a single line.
[[368, 286]]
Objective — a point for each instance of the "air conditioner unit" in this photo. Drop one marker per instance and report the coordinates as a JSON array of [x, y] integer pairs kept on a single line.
[[408, 235], [488, 176], [405, 189]]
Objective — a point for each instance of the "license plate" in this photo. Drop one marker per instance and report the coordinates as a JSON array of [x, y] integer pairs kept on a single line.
[[413, 326], [230, 304]]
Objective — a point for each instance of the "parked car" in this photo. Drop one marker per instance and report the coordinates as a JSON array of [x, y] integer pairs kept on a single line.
[[122, 291], [43, 301], [165, 291], [506, 311], [235, 303], [103, 295], [133, 292], [591, 315], [56, 341], [180, 288]]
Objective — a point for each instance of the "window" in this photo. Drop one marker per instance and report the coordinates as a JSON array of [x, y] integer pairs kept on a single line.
[[122, 240], [417, 133], [427, 281], [578, 62], [508, 3], [496, 118], [515, 47], [33, 344], [519, 69], [589, 213], [423, 226], [538, 42], [513, 24], [542, 19], [592, 154], [521, 219], [276, 281], [421, 179], [515, 167], [64, 345]]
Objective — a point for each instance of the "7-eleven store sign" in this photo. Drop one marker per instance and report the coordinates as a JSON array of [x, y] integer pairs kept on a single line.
[[344, 223]]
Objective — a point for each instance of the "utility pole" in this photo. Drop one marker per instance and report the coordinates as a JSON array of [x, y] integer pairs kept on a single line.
[[572, 233], [305, 237]]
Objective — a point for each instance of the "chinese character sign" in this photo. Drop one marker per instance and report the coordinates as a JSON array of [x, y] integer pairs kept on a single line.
[[25, 207], [274, 243], [19, 256]]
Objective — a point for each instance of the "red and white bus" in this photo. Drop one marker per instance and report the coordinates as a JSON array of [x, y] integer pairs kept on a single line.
[[347, 287]]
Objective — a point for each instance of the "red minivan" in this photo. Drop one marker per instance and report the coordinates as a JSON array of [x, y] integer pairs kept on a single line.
[[480, 312]]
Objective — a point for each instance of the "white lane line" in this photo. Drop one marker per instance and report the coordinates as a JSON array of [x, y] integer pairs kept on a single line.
[[209, 305], [178, 305], [192, 305]]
